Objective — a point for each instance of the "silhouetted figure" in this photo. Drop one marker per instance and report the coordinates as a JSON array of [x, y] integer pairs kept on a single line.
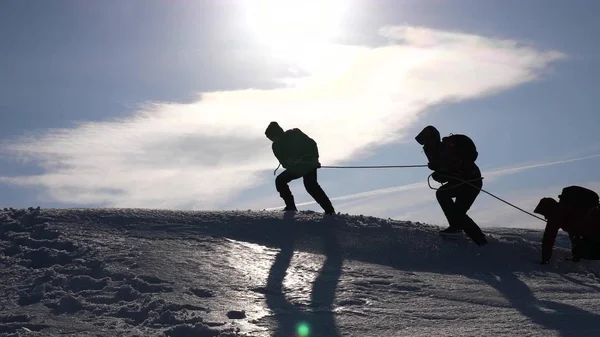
[[450, 158], [299, 155], [578, 213]]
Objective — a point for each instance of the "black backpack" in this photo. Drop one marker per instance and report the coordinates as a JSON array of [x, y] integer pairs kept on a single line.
[[300, 144], [462, 147], [579, 197]]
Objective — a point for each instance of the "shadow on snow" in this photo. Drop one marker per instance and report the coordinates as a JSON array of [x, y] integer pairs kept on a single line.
[[404, 246]]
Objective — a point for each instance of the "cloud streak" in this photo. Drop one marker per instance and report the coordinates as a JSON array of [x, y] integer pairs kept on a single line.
[[202, 154], [505, 171]]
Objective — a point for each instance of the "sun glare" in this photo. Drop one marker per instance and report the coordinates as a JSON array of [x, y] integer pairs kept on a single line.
[[297, 31], [282, 22]]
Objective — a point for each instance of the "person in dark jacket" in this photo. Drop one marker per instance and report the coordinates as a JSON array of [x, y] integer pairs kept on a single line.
[[299, 155], [578, 213], [452, 159]]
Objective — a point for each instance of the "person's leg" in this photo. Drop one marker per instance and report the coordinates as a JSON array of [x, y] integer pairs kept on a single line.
[[444, 197], [586, 245], [585, 249], [464, 200], [281, 184], [456, 211], [591, 224], [314, 189]]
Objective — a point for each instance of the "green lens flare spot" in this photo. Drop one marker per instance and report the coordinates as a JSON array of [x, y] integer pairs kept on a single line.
[[303, 329]]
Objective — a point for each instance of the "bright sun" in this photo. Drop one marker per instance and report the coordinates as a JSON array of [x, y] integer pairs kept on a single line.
[[293, 22]]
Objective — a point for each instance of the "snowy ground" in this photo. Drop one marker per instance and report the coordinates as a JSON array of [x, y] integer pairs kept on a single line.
[[166, 273]]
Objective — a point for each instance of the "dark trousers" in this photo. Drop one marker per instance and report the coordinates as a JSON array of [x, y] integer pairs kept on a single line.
[[456, 211], [583, 248], [310, 183]]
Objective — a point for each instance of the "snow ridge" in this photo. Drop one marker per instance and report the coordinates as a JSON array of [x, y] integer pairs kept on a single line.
[[136, 272]]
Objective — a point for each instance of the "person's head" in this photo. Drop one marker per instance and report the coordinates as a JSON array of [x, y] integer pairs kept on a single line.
[[429, 135], [274, 131], [546, 207]]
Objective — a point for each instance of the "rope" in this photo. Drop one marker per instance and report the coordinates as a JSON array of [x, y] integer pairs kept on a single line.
[[275, 172], [376, 166], [468, 182], [449, 188], [355, 167]]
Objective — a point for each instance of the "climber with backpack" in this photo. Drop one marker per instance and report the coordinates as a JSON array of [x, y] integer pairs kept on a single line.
[[578, 213], [452, 160], [299, 155]]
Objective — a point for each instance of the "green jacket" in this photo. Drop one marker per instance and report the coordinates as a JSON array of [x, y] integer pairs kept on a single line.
[[297, 152]]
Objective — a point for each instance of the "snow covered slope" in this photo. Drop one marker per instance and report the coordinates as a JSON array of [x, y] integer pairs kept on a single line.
[[127, 272]]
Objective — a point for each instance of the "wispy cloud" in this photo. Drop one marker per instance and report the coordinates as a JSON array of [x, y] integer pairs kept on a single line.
[[511, 170], [200, 155]]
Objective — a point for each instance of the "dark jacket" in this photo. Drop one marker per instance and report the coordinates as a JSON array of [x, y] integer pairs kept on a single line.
[[577, 213], [296, 152], [453, 156]]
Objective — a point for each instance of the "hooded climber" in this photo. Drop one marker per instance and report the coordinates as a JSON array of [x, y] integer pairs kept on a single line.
[[299, 155], [578, 213], [452, 160]]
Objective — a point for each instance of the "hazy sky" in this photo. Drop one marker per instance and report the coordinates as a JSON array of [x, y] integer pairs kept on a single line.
[[163, 104]]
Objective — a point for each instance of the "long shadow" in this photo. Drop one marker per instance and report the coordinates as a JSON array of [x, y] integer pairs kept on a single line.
[[320, 320], [286, 314], [407, 247], [325, 285], [580, 283], [565, 319]]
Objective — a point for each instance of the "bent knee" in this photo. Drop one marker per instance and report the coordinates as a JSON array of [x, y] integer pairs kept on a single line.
[[311, 184], [280, 182]]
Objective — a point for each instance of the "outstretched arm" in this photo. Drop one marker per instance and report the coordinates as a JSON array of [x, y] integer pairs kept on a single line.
[[549, 208], [548, 239]]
